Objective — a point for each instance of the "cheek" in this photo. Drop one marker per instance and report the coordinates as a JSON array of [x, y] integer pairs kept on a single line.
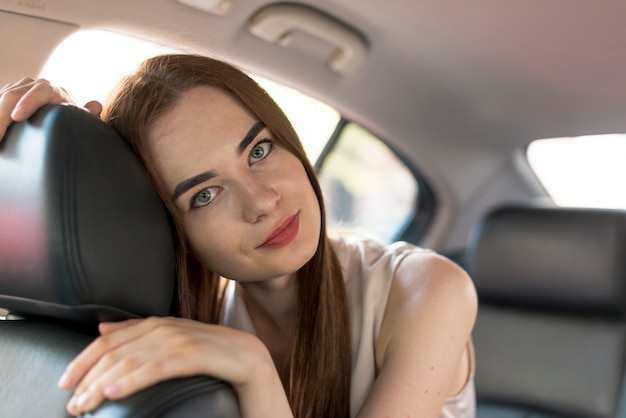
[[205, 241], [311, 216], [313, 203]]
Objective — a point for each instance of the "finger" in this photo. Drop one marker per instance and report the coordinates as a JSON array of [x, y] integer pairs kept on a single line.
[[8, 85], [111, 367], [9, 97], [17, 84], [82, 403], [119, 344], [163, 349], [94, 107], [38, 95], [126, 370], [147, 374], [131, 369], [109, 327], [131, 374], [80, 366]]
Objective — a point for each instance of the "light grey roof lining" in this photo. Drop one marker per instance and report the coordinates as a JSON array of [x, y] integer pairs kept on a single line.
[[442, 79]]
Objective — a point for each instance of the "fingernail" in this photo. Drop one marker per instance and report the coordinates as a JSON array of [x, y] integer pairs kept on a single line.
[[64, 381], [17, 113], [111, 391], [71, 405], [82, 400]]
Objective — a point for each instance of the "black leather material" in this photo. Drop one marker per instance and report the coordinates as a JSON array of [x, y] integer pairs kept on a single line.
[[83, 238], [35, 351], [495, 411], [572, 367], [83, 235], [552, 258], [550, 336]]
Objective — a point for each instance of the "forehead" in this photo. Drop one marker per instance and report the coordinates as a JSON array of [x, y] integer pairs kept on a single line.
[[197, 110], [201, 130]]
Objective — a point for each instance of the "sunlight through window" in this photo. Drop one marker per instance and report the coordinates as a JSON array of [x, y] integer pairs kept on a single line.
[[586, 171], [90, 63]]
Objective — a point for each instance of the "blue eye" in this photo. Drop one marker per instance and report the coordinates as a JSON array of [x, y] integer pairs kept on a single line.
[[260, 151], [204, 197]]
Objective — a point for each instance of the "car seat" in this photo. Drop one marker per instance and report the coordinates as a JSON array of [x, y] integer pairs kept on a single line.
[[84, 238], [550, 335]]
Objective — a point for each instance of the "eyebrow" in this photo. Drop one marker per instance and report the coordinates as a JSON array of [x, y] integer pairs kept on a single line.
[[252, 133], [185, 185]]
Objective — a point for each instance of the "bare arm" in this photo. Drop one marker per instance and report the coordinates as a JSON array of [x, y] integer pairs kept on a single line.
[[135, 354], [423, 342]]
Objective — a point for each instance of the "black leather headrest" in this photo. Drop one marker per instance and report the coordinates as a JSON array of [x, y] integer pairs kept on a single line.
[[83, 234], [551, 258]]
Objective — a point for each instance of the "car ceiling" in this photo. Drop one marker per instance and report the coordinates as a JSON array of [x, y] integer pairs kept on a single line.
[[458, 86]]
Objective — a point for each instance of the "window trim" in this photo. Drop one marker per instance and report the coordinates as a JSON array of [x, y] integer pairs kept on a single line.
[[423, 212]]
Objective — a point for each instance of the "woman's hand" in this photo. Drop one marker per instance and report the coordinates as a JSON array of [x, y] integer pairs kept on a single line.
[[135, 354], [21, 99]]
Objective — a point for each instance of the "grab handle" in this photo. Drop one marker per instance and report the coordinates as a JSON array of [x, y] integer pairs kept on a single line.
[[276, 23]]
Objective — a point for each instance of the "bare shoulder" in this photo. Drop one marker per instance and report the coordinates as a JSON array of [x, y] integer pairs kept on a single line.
[[431, 297], [423, 345], [428, 275]]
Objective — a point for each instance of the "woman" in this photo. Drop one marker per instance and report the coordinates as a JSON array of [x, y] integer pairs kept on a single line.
[[306, 325]]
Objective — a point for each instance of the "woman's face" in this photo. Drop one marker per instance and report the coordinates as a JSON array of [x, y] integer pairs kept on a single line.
[[246, 204]]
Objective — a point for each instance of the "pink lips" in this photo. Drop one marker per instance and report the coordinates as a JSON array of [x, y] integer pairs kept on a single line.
[[283, 234]]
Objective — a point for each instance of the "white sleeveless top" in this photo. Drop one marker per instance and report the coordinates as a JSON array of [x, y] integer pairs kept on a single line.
[[368, 269]]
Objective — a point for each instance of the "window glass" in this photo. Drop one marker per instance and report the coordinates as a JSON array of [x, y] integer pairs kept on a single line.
[[89, 64], [586, 171], [366, 186], [313, 120]]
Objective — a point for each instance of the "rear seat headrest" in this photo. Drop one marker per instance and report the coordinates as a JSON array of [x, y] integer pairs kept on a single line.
[[83, 234], [551, 258]]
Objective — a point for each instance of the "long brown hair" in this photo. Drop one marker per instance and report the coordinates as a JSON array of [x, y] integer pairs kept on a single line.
[[319, 363]]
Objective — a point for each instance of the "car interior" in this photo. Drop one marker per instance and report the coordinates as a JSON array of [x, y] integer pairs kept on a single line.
[[549, 334], [437, 107], [80, 236]]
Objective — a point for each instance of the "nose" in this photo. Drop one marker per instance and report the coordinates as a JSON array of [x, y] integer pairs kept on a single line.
[[258, 199]]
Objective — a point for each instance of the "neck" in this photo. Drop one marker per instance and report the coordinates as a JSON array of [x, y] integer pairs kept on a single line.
[[273, 308], [272, 301]]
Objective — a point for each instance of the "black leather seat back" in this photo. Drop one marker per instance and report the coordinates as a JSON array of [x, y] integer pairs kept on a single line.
[[550, 335], [84, 238], [83, 233]]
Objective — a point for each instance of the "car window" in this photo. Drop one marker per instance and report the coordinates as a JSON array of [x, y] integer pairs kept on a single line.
[[89, 63], [586, 171], [367, 186]]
